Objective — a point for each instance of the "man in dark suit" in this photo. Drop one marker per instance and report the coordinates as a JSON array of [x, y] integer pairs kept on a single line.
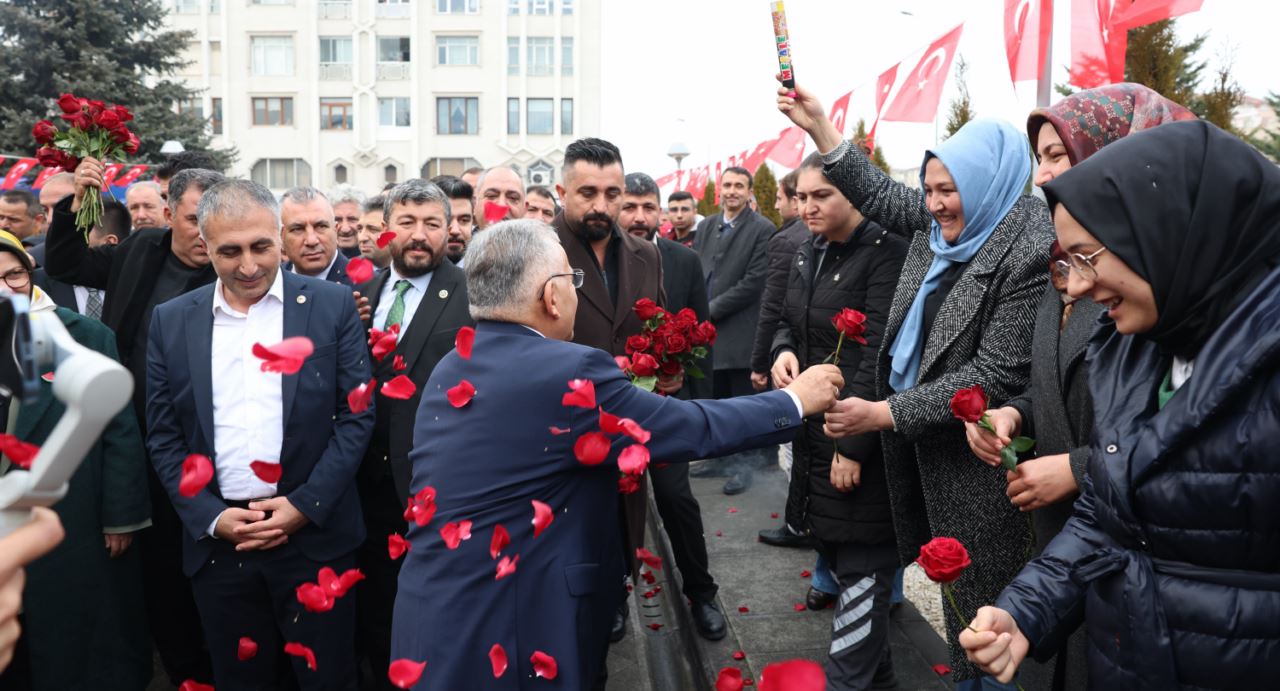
[[733, 247], [427, 297], [551, 591], [285, 448], [310, 237], [151, 266], [681, 515], [113, 229]]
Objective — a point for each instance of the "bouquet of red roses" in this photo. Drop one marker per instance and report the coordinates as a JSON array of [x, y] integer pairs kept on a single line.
[[668, 344], [96, 130]]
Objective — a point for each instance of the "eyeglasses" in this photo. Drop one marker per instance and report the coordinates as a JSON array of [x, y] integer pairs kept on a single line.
[[17, 279], [1084, 265], [577, 275], [1060, 268]]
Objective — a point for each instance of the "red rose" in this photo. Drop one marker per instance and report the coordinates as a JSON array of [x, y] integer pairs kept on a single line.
[[647, 309], [96, 107], [969, 404], [107, 120], [70, 104], [686, 319], [704, 334], [49, 157], [671, 367], [121, 134], [943, 558], [123, 113], [131, 146], [69, 162], [638, 344], [644, 365], [676, 343], [44, 132], [851, 323], [79, 120]]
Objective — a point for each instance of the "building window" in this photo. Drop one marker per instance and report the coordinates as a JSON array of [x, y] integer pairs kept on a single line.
[[191, 106], [393, 49], [566, 116], [335, 50], [566, 56], [513, 55], [458, 6], [457, 50], [186, 6], [270, 2], [339, 174], [335, 113], [215, 6], [457, 115], [540, 115], [390, 173], [393, 112], [566, 6], [281, 173], [541, 50], [540, 7], [215, 58], [216, 120], [513, 6], [392, 9], [272, 110], [272, 55], [513, 116]]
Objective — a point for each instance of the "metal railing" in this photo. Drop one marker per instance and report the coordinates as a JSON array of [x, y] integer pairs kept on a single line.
[[388, 71], [335, 71]]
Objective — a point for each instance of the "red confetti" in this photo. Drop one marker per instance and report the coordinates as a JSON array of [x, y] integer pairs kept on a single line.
[[793, 675], [359, 398], [190, 685], [461, 394], [633, 459], [398, 364], [246, 649], [454, 533], [397, 546], [941, 670], [542, 517], [744, 609], [559, 430], [655, 625], [773, 515], [267, 472], [197, 471], [400, 388], [385, 239], [285, 357], [421, 507], [649, 558], [302, 651], [729, 679], [494, 212], [465, 339], [582, 393], [405, 673], [799, 607], [314, 598], [591, 448], [498, 658], [501, 538], [739, 655], [359, 270], [506, 567], [543, 665]]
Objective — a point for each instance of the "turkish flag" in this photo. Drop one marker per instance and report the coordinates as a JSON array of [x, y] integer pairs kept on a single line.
[[1027, 26], [1144, 12], [1097, 49], [18, 170], [758, 154], [884, 85], [131, 176], [109, 174], [665, 180], [717, 182], [45, 174], [698, 181], [838, 111], [917, 100], [789, 149]]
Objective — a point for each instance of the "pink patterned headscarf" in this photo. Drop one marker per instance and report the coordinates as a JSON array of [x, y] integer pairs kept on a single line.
[[1089, 120]]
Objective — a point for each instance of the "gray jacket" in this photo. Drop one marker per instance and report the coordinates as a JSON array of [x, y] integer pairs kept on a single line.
[[737, 265]]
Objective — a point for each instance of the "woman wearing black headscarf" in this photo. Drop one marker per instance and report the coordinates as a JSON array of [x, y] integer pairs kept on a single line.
[[1173, 553]]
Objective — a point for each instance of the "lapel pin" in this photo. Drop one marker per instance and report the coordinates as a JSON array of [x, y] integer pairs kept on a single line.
[[302, 299], [444, 294]]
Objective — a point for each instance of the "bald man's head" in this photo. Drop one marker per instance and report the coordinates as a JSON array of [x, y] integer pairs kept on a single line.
[[499, 185]]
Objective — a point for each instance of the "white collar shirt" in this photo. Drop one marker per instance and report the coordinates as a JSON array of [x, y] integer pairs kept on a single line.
[[323, 275], [412, 298]]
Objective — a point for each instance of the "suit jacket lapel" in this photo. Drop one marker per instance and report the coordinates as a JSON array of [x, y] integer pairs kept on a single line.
[[442, 288], [199, 325], [632, 267], [297, 309], [376, 285], [593, 286]]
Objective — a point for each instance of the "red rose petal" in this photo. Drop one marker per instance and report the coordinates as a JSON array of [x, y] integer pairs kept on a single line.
[[455, 533], [591, 448], [941, 670], [793, 675], [314, 598], [359, 270], [22, 453], [649, 577], [421, 507], [246, 649], [744, 609], [739, 655], [628, 484], [559, 430], [799, 607], [609, 423], [398, 365], [349, 578], [465, 339], [385, 239], [624, 362], [190, 685], [359, 398], [285, 357], [385, 344], [719, 533], [655, 625], [501, 538], [498, 658], [267, 472], [582, 393], [633, 459], [729, 679], [397, 546], [405, 673], [542, 517], [543, 665], [400, 388], [805, 573], [461, 394], [733, 509], [506, 567], [197, 471], [632, 429], [773, 515], [652, 592], [300, 650], [649, 558], [47, 376], [494, 212]]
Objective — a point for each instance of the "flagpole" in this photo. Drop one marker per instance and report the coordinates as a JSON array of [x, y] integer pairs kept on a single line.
[[1044, 89]]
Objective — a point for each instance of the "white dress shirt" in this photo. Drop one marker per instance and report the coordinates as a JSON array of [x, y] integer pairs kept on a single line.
[[323, 275], [412, 298], [82, 298]]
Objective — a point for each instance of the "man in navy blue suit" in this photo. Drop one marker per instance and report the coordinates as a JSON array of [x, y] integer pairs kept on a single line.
[[309, 235], [493, 436], [250, 537]]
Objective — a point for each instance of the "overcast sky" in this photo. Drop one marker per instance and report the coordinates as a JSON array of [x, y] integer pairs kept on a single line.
[[701, 71]]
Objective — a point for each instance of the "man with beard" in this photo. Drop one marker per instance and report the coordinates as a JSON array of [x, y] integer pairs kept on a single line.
[[310, 241], [370, 229], [462, 205], [499, 185], [424, 297], [347, 207], [681, 515]]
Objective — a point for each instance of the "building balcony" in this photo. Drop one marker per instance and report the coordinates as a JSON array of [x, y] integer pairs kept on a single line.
[[392, 11], [391, 71], [334, 9], [335, 71]]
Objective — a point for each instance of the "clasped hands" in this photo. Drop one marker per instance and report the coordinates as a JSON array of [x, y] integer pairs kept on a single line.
[[844, 418], [266, 524]]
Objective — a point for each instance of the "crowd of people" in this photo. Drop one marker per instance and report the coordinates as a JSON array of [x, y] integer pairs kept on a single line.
[[1127, 325]]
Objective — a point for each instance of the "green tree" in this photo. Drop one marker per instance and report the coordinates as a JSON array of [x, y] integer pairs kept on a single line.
[[765, 188], [1268, 142], [117, 51], [707, 206], [877, 155], [1156, 59], [1218, 104], [962, 106]]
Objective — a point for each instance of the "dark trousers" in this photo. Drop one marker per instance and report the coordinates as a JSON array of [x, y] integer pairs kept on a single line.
[[860, 625], [731, 383], [377, 597], [171, 608], [254, 594], [682, 519]]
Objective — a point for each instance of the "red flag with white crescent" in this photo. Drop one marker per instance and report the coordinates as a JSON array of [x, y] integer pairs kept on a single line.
[[917, 100], [839, 111], [789, 149], [1027, 25], [19, 169], [758, 154], [1097, 51], [1144, 12]]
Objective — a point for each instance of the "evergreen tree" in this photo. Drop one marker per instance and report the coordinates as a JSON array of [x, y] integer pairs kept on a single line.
[[1156, 59], [765, 188], [876, 156], [1268, 142], [1218, 104], [962, 106], [117, 51], [707, 206]]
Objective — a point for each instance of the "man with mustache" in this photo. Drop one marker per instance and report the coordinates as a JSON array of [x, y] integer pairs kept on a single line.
[[348, 203], [499, 185], [307, 231]]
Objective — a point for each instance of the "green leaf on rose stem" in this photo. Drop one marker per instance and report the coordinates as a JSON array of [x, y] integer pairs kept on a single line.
[[1009, 459], [1022, 444], [646, 383], [694, 371], [699, 352], [985, 423]]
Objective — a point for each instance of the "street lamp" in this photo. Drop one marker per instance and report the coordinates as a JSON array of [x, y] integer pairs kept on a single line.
[[172, 146], [678, 151]]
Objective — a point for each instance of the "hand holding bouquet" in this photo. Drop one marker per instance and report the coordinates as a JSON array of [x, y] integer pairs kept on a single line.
[[668, 345]]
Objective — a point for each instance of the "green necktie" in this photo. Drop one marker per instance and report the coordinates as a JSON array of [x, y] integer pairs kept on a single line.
[[396, 313]]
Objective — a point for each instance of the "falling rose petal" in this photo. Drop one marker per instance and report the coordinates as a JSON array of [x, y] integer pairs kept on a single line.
[[557, 431], [463, 341], [385, 345], [649, 558], [494, 212], [506, 567], [805, 573], [405, 673], [398, 365], [314, 597], [267, 472], [385, 239], [246, 649], [454, 533], [542, 517], [729, 679], [773, 515], [733, 509], [624, 362], [397, 546], [501, 538], [285, 357], [192, 685], [633, 459], [582, 393], [609, 423], [421, 507], [649, 577], [359, 270], [628, 484], [47, 376], [197, 471], [632, 429], [498, 658], [22, 453], [461, 394], [359, 398], [941, 670], [302, 651], [349, 578], [719, 533], [744, 609], [591, 448], [400, 388], [793, 675], [375, 336], [655, 625], [543, 665], [799, 607], [739, 655]]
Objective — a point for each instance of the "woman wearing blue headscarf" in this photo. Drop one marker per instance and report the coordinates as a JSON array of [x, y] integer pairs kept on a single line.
[[962, 315]]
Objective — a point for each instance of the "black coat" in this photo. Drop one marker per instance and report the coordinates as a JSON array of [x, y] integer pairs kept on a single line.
[[683, 284], [860, 274], [62, 294], [782, 252], [737, 266]]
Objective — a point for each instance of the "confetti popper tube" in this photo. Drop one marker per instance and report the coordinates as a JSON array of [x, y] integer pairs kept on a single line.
[[783, 41]]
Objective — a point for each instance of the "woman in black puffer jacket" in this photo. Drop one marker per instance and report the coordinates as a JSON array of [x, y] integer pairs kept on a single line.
[[850, 262]]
